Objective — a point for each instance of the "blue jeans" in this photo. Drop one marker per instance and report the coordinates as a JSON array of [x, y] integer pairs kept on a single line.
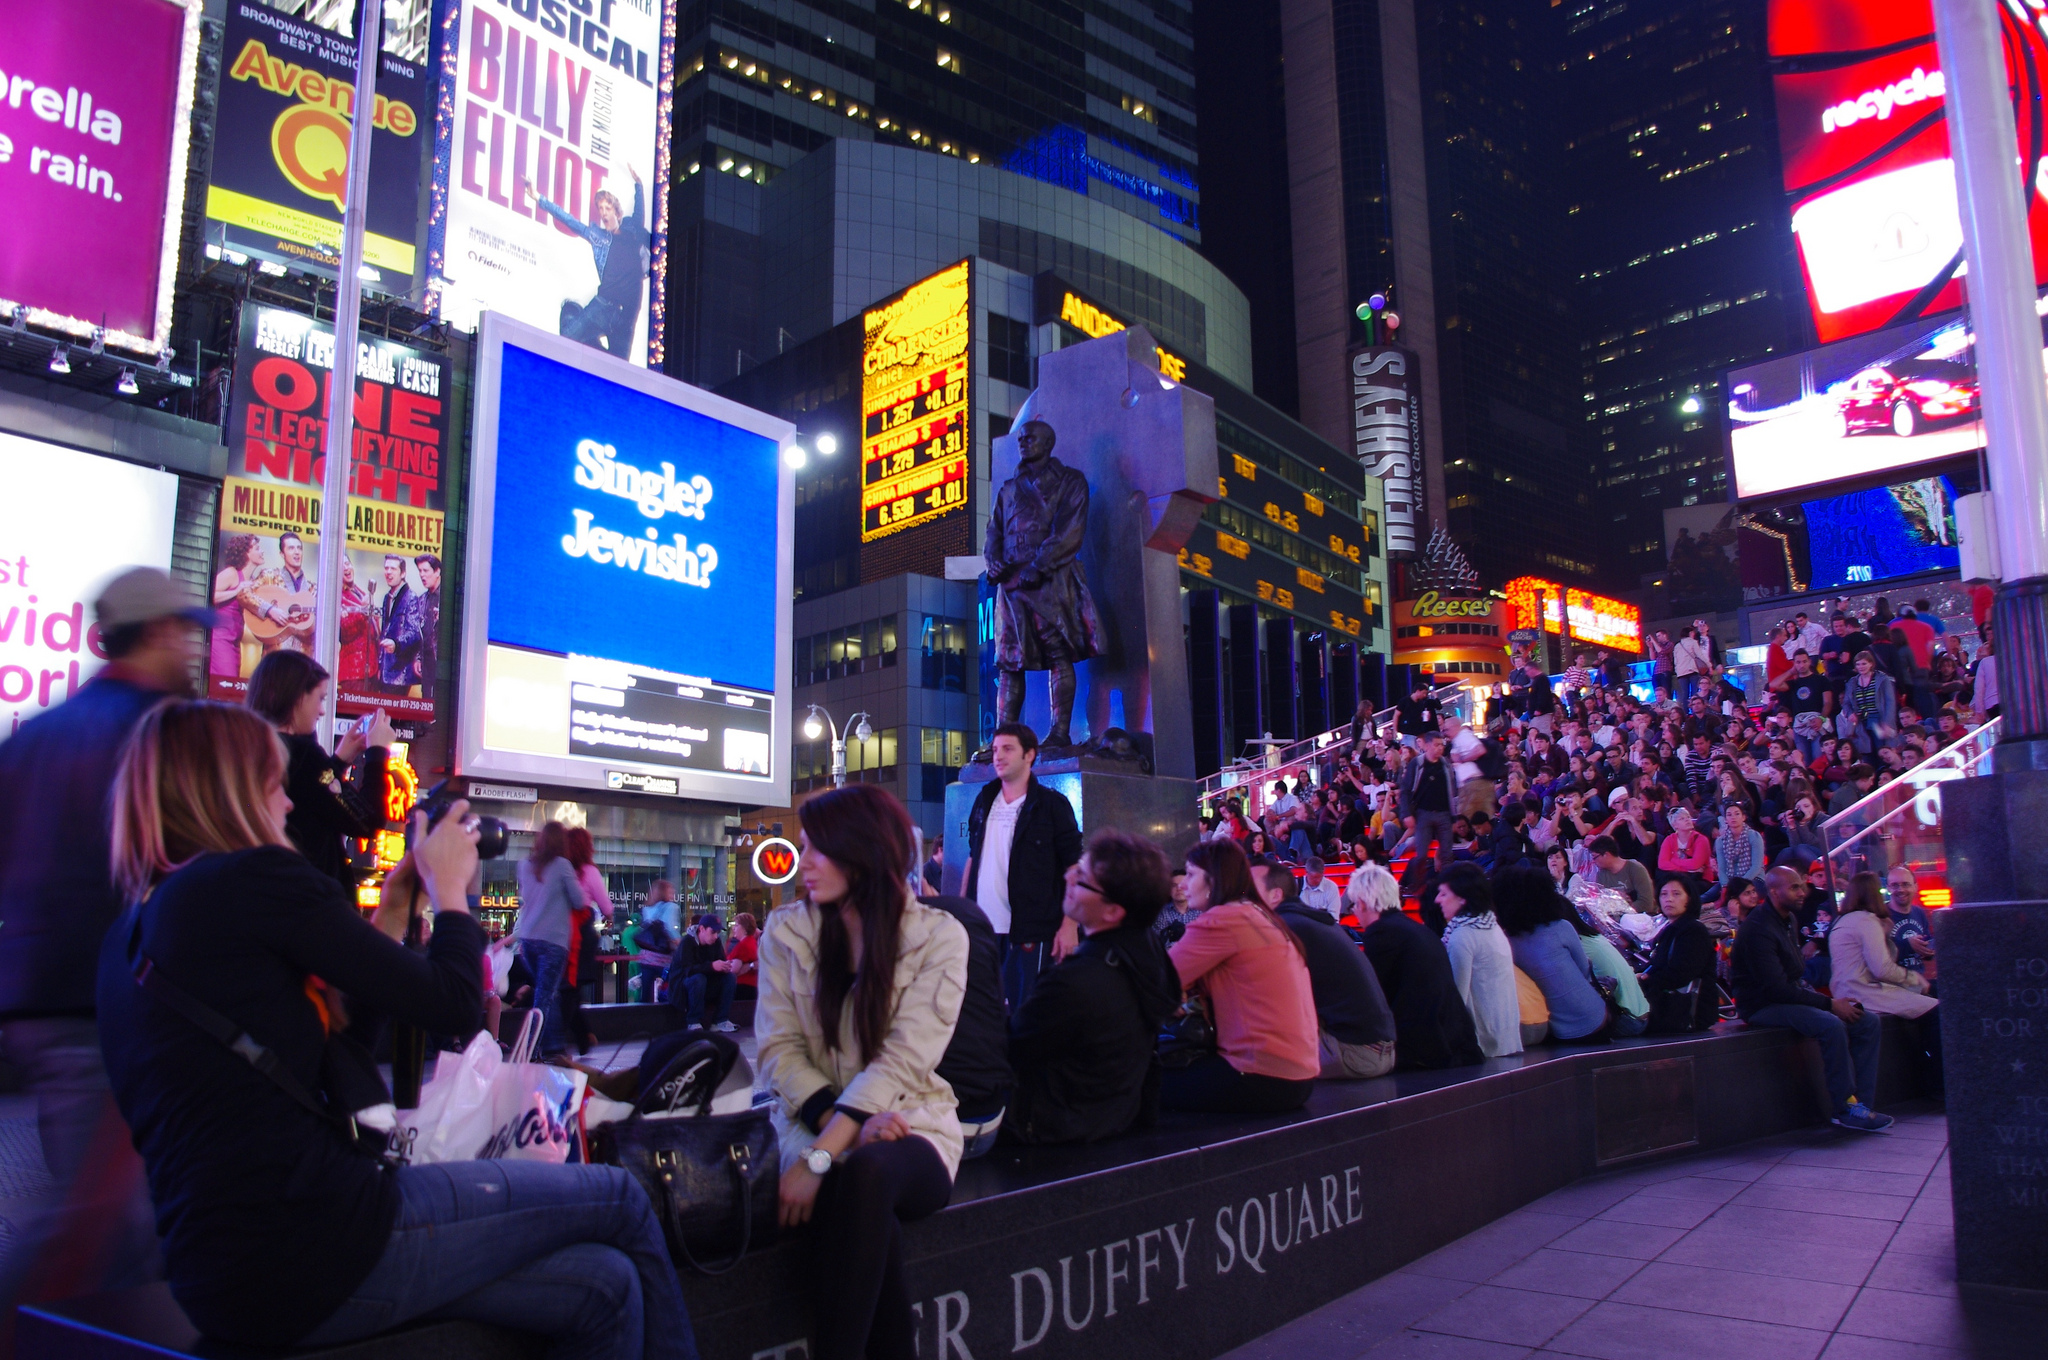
[[547, 962], [1848, 1050], [1626, 1026], [1023, 961], [572, 1253], [720, 988], [1299, 845]]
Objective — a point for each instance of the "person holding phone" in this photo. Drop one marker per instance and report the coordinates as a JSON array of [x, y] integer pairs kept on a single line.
[[332, 800], [278, 1231]]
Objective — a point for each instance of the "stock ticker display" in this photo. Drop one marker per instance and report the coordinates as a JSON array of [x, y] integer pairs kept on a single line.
[[916, 412]]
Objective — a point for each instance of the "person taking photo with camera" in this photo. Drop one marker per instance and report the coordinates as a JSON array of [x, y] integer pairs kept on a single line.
[[279, 1228], [329, 805]]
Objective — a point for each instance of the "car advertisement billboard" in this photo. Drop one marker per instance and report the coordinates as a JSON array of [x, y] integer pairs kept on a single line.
[[1871, 404], [1861, 99], [69, 523], [280, 150], [268, 547], [93, 141], [550, 203], [630, 578]]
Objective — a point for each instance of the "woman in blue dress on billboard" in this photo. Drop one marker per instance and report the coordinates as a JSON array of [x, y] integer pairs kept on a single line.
[[619, 246]]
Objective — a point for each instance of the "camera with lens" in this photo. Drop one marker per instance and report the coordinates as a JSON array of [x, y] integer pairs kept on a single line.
[[491, 833]]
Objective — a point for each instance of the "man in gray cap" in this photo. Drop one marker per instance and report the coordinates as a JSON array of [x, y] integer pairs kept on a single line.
[[57, 900]]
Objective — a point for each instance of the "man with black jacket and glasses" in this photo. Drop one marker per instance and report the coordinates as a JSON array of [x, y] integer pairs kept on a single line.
[[1768, 976], [1021, 839], [1083, 1044]]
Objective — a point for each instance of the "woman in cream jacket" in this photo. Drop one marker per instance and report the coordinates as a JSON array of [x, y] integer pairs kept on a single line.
[[860, 989], [1860, 956]]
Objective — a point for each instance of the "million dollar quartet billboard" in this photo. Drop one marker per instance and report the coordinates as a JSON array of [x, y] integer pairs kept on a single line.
[[549, 201], [264, 583], [1386, 419], [280, 153]]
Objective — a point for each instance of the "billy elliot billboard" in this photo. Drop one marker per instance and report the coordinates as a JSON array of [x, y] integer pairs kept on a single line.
[[1861, 101], [550, 203], [1387, 432], [280, 153], [269, 542], [917, 415], [93, 139]]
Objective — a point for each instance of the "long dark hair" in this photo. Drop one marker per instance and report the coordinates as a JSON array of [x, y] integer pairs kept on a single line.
[[579, 847], [1230, 880], [1524, 899], [550, 843], [279, 681], [866, 833]]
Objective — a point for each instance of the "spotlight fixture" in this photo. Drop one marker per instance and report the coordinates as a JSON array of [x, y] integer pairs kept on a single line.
[[795, 456], [60, 359], [99, 339], [827, 445], [163, 361], [20, 321], [126, 384]]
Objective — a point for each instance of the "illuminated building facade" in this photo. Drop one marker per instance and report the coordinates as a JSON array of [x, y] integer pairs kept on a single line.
[[1098, 101]]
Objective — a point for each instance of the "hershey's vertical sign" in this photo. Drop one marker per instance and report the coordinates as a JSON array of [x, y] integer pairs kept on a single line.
[[1386, 424]]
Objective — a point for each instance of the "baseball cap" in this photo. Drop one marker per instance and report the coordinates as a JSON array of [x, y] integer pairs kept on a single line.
[[143, 595]]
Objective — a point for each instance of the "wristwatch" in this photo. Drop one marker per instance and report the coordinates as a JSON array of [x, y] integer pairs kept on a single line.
[[818, 1160]]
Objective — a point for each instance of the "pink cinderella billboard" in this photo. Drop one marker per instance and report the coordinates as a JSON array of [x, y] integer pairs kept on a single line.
[[95, 112]]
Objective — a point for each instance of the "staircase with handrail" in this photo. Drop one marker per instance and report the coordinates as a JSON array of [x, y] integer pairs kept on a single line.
[[1253, 774]]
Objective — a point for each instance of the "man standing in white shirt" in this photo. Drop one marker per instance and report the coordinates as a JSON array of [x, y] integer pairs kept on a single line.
[[1808, 635], [1464, 748], [1318, 892], [1021, 838]]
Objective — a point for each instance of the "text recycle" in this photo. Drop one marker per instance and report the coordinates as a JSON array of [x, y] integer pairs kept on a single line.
[[655, 494]]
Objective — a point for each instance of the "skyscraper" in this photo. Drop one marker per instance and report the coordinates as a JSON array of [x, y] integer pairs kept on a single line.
[[1097, 99], [1678, 241], [1422, 148]]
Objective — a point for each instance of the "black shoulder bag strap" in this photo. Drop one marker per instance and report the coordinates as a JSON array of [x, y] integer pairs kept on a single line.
[[161, 989]]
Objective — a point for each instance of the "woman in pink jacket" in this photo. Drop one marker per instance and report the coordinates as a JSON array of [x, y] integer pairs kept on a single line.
[[1254, 973]]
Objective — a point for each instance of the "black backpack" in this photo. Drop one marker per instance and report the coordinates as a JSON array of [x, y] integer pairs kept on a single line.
[[1493, 760]]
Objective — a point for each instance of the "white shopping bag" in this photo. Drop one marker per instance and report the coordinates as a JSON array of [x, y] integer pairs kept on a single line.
[[481, 1106]]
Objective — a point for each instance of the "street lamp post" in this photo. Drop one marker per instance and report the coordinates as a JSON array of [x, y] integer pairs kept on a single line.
[[1993, 944], [815, 728]]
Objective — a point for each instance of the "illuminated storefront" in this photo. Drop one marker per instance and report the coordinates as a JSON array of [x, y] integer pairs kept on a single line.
[[1596, 621], [1455, 640]]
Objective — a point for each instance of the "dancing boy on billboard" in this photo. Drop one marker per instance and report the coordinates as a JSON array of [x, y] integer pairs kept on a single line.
[[619, 246]]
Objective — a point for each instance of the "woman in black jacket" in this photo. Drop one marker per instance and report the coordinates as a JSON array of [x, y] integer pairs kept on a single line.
[[1679, 982], [329, 808], [278, 1231]]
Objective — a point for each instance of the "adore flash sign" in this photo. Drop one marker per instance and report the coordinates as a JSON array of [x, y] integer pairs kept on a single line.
[[629, 578]]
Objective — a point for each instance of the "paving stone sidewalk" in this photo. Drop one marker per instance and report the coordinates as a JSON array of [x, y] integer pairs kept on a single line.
[[1819, 1245]]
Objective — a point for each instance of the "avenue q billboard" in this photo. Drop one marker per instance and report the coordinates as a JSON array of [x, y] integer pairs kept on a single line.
[[550, 200], [1861, 102], [93, 139]]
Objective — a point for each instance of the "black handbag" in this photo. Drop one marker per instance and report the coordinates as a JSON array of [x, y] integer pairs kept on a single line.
[[1188, 1036], [715, 1179]]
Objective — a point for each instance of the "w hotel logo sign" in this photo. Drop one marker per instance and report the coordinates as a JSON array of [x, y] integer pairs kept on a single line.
[[775, 860]]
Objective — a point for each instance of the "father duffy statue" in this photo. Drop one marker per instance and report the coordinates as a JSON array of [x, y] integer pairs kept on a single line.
[[1045, 618]]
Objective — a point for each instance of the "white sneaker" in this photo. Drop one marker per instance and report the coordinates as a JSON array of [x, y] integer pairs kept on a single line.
[[726, 1027]]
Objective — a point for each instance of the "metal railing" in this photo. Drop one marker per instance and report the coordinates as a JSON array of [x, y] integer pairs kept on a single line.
[[1900, 822], [1266, 760]]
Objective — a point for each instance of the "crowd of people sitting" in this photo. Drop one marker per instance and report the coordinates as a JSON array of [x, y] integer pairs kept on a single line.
[[1070, 992]]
